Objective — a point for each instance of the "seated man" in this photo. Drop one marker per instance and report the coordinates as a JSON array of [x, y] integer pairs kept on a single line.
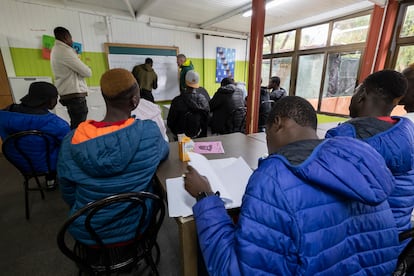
[[189, 111], [147, 110], [33, 114], [392, 137], [312, 207], [227, 99], [116, 155]]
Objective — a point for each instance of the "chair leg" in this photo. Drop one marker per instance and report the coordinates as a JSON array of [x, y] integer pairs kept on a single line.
[[150, 261], [26, 198], [40, 187]]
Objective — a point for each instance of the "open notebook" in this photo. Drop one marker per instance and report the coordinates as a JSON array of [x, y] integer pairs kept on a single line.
[[228, 175]]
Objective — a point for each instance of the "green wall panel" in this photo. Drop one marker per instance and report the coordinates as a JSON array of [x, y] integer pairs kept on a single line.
[[29, 62]]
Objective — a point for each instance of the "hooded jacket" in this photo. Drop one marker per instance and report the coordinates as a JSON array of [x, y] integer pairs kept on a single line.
[[320, 216], [188, 104], [226, 100], [12, 122], [185, 67], [121, 161], [145, 76], [396, 145]]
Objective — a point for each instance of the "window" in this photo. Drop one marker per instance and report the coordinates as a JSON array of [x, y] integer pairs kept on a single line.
[[265, 71], [405, 57], [281, 67], [408, 25], [340, 81], [323, 65], [267, 45], [284, 42], [353, 30], [314, 37], [309, 77]]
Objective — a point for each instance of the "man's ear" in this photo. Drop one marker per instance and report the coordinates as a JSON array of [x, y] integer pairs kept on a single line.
[[277, 123], [396, 101], [134, 102]]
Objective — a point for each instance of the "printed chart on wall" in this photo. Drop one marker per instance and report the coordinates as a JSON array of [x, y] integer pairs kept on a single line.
[[165, 64], [225, 61]]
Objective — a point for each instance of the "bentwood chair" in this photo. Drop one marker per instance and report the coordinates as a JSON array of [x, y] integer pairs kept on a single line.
[[30, 152], [105, 258]]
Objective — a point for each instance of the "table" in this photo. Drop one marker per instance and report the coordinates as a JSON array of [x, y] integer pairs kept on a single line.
[[235, 145]]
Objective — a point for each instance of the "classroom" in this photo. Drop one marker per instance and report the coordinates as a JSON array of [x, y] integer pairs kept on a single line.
[[322, 51]]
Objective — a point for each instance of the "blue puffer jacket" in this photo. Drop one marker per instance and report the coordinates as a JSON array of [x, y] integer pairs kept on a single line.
[[396, 145], [121, 161], [325, 216], [12, 122]]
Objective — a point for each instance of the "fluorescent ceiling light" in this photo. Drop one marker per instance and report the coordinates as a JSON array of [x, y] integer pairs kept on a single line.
[[269, 5]]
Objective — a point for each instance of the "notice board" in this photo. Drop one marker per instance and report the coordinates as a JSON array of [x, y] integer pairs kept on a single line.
[[165, 64]]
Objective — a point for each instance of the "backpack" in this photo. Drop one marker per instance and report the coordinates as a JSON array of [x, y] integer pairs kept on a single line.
[[192, 123]]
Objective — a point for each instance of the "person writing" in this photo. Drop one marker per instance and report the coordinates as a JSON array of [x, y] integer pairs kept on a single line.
[[147, 79], [311, 207], [70, 73]]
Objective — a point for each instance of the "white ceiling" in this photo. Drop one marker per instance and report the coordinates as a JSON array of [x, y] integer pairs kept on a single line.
[[218, 15]]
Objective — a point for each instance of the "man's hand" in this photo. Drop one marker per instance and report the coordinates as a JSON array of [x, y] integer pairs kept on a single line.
[[194, 183]]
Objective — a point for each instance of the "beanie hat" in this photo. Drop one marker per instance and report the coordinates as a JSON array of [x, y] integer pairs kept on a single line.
[[39, 93], [115, 82], [192, 79]]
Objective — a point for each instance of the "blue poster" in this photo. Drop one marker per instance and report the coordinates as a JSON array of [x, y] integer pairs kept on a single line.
[[225, 61]]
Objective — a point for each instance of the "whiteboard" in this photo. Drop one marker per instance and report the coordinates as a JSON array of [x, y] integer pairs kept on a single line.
[[165, 65]]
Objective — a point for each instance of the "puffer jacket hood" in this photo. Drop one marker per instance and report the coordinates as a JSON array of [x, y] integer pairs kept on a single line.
[[112, 156], [388, 143], [350, 170]]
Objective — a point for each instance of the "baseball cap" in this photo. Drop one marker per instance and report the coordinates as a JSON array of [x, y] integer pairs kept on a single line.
[[39, 93], [192, 79]]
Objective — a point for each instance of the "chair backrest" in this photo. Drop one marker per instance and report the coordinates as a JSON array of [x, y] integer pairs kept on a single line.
[[103, 257], [30, 152]]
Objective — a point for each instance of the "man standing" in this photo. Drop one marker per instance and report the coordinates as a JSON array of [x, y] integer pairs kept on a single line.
[[146, 78], [69, 72], [277, 92], [185, 65]]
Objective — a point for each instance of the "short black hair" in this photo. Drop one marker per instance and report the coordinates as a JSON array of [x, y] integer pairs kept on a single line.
[[275, 79], [295, 108], [227, 81], [148, 61], [61, 33], [181, 56], [386, 84]]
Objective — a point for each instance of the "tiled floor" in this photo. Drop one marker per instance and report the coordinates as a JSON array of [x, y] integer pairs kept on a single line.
[[29, 247]]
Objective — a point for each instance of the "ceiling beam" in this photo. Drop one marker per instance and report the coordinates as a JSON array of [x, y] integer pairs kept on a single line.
[[130, 9], [225, 16], [145, 6]]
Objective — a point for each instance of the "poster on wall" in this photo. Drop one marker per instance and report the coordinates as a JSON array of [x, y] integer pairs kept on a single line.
[[225, 61], [49, 41]]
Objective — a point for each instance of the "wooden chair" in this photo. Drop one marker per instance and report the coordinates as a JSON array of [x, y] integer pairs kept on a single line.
[[30, 152], [103, 258]]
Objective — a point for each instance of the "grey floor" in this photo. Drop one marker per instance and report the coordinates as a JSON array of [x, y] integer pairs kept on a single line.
[[29, 247]]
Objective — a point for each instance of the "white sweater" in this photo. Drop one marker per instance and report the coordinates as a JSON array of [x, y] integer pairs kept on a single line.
[[68, 69]]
